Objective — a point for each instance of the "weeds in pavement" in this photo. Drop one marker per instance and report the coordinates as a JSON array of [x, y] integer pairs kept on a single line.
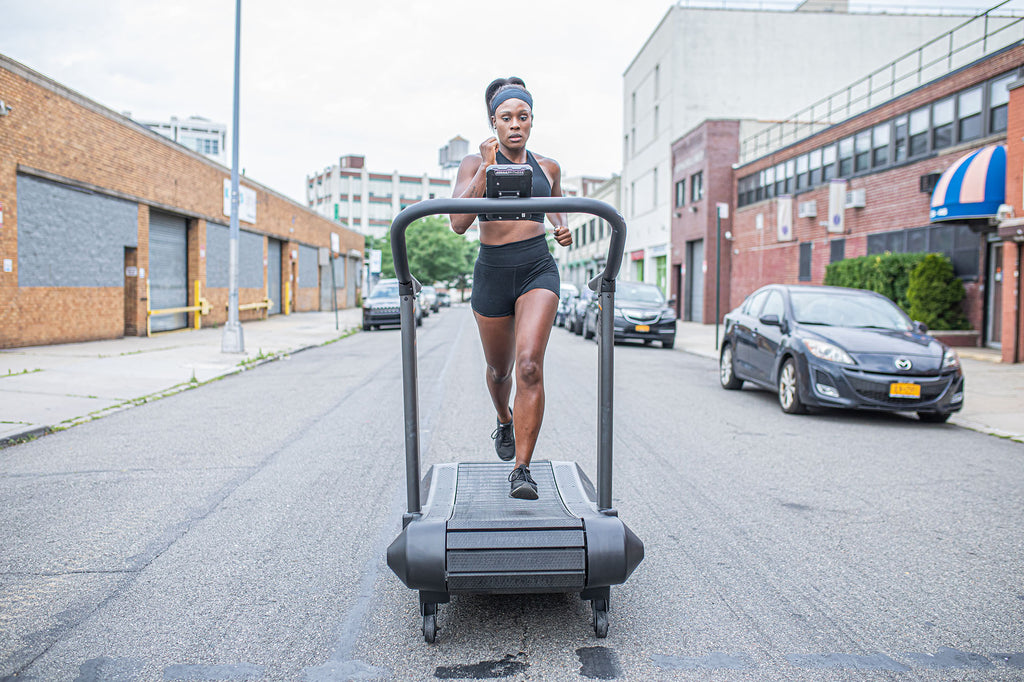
[[18, 374]]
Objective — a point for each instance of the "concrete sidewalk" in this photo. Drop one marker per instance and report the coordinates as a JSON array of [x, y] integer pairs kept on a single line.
[[44, 388]]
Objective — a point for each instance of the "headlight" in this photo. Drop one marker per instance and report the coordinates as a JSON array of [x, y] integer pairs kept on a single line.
[[828, 351], [950, 359], [668, 314]]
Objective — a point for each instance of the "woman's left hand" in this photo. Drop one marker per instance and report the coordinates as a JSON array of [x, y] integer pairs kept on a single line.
[[563, 236]]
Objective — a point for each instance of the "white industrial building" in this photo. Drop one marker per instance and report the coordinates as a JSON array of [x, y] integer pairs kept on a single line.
[[367, 202], [701, 64], [197, 133]]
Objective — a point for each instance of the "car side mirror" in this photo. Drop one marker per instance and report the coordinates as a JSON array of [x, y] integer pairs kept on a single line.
[[920, 327], [771, 320], [672, 302]]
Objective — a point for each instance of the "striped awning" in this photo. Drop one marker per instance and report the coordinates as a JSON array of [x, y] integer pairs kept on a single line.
[[973, 187]]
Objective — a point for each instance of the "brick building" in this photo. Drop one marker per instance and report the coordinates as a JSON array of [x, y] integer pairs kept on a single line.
[[96, 210], [865, 186]]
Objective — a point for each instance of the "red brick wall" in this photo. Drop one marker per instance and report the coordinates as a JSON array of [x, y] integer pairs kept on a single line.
[[60, 133], [1013, 293]]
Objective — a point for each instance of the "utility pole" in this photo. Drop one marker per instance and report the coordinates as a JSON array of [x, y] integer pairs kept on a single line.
[[233, 341], [720, 208]]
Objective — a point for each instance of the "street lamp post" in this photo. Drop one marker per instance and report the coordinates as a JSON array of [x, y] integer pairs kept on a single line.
[[720, 208], [232, 340]]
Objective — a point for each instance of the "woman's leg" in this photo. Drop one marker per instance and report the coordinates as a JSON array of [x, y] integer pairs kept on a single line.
[[497, 335], [535, 313]]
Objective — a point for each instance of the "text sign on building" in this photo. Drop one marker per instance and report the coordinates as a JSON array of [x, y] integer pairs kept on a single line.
[[784, 205], [837, 206], [246, 202]]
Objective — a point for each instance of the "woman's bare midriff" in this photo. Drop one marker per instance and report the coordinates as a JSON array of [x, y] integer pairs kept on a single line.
[[497, 232]]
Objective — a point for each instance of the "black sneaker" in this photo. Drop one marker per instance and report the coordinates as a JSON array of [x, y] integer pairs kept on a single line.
[[523, 485], [505, 441]]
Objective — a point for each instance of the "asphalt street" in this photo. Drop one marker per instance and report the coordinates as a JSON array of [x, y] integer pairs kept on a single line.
[[237, 531]]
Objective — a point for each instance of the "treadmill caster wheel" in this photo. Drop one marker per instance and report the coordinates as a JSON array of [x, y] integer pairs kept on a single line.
[[430, 628], [600, 610], [429, 622]]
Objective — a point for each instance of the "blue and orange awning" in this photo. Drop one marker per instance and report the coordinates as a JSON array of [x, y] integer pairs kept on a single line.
[[973, 187]]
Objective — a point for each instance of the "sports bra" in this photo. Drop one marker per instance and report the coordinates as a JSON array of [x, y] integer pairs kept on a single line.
[[541, 186]]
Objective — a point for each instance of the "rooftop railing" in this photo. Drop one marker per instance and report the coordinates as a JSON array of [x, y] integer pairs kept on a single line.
[[984, 34]]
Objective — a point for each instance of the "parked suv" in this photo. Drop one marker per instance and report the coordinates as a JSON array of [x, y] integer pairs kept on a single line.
[[428, 299]]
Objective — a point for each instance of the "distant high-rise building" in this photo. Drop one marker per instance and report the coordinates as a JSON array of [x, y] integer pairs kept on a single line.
[[197, 133], [450, 156], [367, 202]]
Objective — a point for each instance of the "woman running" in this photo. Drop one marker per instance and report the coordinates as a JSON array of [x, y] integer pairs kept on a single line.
[[515, 280]]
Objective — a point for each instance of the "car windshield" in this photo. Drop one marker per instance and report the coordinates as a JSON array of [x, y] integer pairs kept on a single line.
[[644, 294], [847, 310], [385, 291]]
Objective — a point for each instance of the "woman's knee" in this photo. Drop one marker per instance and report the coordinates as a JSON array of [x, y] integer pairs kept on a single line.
[[499, 375], [529, 371]]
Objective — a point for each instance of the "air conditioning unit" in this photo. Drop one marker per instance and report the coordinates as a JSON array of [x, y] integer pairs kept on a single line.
[[855, 198], [807, 209], [927, 182]]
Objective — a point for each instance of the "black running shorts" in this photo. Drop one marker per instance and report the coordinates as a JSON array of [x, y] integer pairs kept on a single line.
[[504, 272]]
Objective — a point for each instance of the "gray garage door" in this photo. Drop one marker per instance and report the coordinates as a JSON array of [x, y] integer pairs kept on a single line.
[[274, 274], [168, 269]]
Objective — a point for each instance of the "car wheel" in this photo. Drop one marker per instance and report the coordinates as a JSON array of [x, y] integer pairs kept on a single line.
[[668, 343], [727, 370], [789, 389], [419, 321], [934, 417]]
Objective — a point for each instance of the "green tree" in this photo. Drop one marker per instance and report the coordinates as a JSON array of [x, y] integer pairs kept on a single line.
[[436, 254]]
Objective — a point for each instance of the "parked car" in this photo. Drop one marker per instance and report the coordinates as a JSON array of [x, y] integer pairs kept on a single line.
[[428, 299], [444, 299], [569, 293], [641, 314], [574, 316], [835, 347], [381, 307]]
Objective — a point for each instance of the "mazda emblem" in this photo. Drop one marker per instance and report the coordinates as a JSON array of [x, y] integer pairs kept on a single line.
[[903, 363]]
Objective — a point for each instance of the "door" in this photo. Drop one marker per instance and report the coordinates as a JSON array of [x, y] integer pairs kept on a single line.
[[994, 304], [168, 270], [767, 338], [745, 334], [695, 280], [274, 275], [677, 289]]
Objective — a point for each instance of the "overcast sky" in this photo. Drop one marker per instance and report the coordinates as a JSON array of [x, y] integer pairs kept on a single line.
[[391, 80]]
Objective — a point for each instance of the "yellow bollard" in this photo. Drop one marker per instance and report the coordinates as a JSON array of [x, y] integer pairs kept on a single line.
[[288, 298], [149, 330], [198, 315]]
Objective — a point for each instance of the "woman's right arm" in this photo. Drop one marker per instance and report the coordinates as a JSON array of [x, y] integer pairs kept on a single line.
[[472, 181]]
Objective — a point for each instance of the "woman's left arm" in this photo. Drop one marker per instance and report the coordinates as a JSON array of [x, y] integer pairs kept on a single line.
[[560, 220]]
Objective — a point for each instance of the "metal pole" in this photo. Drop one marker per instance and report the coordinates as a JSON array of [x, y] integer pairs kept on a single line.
[[334, 294], [232, 340], [718, 267]]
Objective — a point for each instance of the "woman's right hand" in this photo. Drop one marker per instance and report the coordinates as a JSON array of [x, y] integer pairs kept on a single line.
[[489, 152]]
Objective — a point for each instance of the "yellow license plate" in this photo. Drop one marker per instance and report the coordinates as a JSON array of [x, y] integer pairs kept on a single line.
[[643, 327], [904, 390]]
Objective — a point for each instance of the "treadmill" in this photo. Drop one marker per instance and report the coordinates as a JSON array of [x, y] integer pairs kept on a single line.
[[469, 536]]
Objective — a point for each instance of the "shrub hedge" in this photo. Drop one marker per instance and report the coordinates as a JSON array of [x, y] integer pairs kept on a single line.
[[936, 300]]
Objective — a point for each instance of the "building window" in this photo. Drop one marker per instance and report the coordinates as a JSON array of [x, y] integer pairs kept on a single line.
[[918, 132], [790, 176], [957, 242], [942, 124], [655, 121], [780, 179], [632, 139], [900, 142], [801, 173], [593, 226], [633, 106], [862, 151], [697, 186], [805, 261], [814, 165], [880, 145], [625, 146], [632, 198], [998, 98], [836, 250], [680, 193], [828, 163], [846, 157], [769, 182], [969, 123], [657, 81], [654, 182]]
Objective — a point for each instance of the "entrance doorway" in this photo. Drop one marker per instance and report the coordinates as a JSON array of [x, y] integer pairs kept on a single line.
[[994, 299], [694, 311]]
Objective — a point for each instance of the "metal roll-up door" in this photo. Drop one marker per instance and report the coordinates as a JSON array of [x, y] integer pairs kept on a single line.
[[168, 269], [274, 274]]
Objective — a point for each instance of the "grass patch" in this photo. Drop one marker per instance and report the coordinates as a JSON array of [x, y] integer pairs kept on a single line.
[[18, 374]]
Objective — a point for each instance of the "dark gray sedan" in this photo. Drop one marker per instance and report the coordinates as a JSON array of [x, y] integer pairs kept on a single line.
[[837, 347]]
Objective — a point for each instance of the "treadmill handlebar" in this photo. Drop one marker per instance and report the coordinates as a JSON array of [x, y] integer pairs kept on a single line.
[[536, 205]]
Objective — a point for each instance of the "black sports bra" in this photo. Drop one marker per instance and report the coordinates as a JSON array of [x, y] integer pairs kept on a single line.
[[541, 186]]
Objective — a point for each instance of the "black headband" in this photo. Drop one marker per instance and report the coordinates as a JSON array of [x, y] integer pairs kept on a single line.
[[510, 93]]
